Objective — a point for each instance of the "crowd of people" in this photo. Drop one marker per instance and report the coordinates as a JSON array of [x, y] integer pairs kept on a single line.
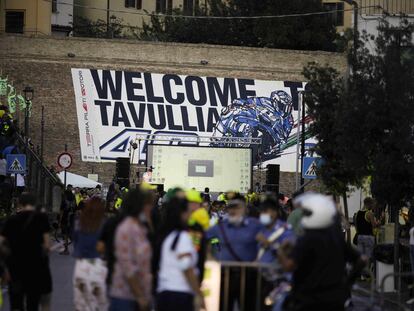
[[7, 146], [144, 249]]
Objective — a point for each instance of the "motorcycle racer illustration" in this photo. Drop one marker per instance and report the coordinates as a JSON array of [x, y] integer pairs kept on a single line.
[[267, 117]]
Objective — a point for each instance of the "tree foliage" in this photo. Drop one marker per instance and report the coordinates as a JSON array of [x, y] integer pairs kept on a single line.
[[365, 123], [84, 27], [388, 79], [324, 99], [306, 32]]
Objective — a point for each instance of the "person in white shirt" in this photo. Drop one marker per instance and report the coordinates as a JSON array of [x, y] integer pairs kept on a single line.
[[3, 166], [178, 286]]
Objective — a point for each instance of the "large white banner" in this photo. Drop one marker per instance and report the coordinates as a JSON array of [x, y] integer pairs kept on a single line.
[[113, 107]]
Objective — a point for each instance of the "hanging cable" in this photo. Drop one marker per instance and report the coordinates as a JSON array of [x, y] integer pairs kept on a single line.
[[205, 16]]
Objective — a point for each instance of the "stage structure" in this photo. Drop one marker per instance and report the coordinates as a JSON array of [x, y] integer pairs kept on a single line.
[[219, 163]]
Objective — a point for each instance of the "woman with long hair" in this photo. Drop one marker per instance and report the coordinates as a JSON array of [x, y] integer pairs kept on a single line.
[[178, 286], [131, 278], [90, 270]]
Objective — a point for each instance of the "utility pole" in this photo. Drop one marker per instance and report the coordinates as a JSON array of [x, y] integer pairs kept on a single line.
[[42, 133], [108, 34], [64, 182], [356, 12], [297, 178], [397, 279], [302, 142]]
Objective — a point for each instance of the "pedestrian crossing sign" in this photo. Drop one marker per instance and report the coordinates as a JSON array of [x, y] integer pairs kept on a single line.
[[310, 166], [16, 164]]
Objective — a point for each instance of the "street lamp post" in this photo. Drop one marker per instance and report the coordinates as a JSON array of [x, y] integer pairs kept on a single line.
[[108, 6], [28, 96], [42, 133], [356, 12]]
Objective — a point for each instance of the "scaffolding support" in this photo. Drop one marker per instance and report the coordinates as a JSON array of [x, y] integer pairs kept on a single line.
[[187, 139]]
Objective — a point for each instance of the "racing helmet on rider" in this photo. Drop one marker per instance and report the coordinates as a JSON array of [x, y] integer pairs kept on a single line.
[[319, 211]]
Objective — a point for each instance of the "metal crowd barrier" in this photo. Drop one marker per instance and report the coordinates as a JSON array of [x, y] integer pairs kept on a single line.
[[398, 303], [375, 297], [229, 269], [378, 300]]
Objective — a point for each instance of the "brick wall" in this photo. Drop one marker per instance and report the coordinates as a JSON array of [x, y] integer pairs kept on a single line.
[[45, 63]]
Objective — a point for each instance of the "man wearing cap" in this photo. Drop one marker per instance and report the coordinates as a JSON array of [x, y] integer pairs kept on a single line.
[[270, 238], [274, 232], [320, 260], [237, 239]]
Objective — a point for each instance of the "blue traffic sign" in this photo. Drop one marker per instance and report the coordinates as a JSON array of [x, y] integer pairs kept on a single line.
[[16, 164], [310, 166]]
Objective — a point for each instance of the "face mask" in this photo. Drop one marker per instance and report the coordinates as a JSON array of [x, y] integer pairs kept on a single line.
[[265, 219], [235, 220]]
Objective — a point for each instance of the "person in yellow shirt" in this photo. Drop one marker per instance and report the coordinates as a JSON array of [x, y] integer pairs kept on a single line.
[[198, 223], [251, 197], [199, 215], [222, 197], [78, 196], [119, 199]]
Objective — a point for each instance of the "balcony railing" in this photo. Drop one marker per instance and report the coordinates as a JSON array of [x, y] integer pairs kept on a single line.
[[40, 179], [392, 7]]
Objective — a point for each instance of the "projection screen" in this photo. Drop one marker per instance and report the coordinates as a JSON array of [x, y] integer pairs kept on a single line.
[[220, 169]]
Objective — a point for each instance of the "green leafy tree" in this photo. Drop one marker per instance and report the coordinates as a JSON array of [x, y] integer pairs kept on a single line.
[[84, 27], [390, 117], [324, 99], [306, 32], [389, 74], [365, 123]]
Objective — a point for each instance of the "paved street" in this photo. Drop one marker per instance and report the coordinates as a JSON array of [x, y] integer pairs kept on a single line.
[[62, 297], [62, 270]]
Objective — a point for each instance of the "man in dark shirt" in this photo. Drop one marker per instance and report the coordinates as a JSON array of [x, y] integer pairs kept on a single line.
[[27, 234], [365, 223], [318, 260], [67, 215], [6, 193]]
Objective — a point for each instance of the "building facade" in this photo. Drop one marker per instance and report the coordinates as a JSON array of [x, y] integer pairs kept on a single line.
[[62, 17], [45, 63], [370, 13], [342, 18], [46, 17], [132, 13], [30, 17], [36, 17]]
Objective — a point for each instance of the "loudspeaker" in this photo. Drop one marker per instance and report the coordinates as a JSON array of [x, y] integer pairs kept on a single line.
[[274, 189], [272, 177], [160, 188], [122, 171]]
